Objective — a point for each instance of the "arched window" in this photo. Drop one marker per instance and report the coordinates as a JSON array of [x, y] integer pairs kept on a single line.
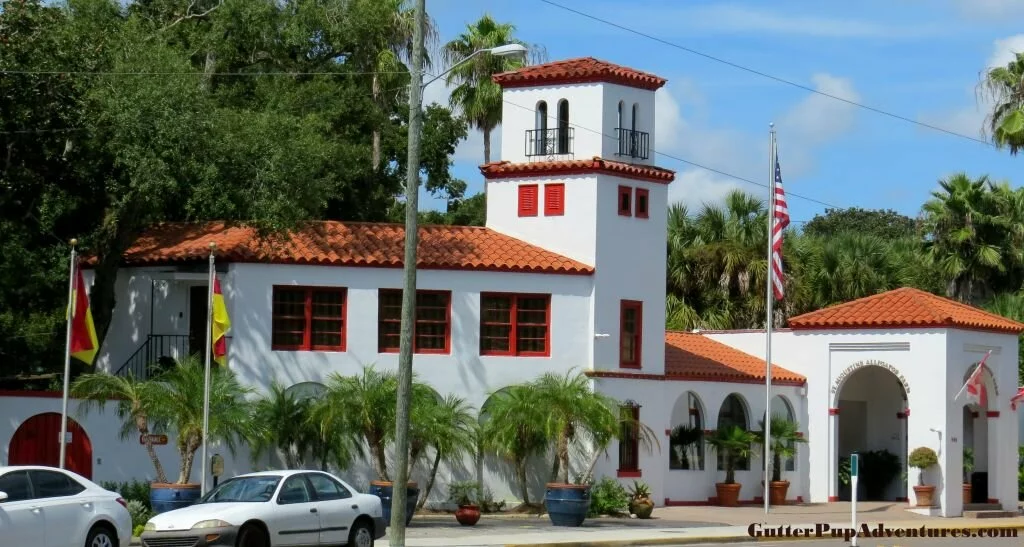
[[783, 410], [733, 413], [540, 125], [636, 114], [618, 116], [563, 127], [686, 440]]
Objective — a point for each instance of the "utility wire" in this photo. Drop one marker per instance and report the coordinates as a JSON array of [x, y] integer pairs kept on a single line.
[[191, 73], [769, 76]]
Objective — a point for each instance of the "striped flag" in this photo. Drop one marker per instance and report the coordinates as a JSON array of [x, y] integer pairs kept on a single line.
[[781, 214], [84, 342], [221, 324]]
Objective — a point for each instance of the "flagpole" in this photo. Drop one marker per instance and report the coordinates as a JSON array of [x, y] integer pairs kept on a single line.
[[206, 378], [67, 359], [770, 297]]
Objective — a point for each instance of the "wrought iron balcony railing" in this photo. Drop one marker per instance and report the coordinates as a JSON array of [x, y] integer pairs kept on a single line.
[[549, 142], [634, 144]]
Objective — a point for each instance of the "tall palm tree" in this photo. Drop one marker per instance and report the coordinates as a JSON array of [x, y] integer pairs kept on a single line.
[[476, 95], [964, 235], [451, 435], [134, 407], [1011, 306], [1005, 85], [845, 267], [513, 428]]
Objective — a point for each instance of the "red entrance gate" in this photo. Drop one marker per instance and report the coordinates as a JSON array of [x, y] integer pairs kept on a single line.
[[36, 443]]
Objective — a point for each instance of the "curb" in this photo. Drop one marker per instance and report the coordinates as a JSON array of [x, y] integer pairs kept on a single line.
[[744, 538]]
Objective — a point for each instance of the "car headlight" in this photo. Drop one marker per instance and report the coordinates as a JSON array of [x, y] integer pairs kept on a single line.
[[149, 527], [210, 524]]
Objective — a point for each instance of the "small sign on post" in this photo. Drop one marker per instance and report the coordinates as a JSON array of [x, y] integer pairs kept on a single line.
[[216, 468], [854, 472], [158, 440]]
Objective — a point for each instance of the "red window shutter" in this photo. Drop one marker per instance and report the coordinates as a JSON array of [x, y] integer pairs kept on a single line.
[[625, 201], [527, 200], [642, 198], [554, 199]]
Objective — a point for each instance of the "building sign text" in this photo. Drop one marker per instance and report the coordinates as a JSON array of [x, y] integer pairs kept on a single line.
[[870, 362]]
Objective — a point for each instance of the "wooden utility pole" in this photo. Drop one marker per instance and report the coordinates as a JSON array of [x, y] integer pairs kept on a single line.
[[412, 189]]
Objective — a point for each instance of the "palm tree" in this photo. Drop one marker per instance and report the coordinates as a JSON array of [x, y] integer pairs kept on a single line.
[[733, 443], [963, 235], [785, 435], [513, 421], [451, 435], [178, 398], [844, 267], [1011, 306], [134, 407], [365, 406], [476, 95], [1005, 85]]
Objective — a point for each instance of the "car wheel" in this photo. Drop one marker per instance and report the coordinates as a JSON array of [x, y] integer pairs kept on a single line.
[[252, 536], [361, 535], [101, 536]]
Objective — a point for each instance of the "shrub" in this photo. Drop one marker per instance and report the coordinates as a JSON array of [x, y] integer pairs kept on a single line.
[[922, 458], [464, 493], [608, 497], [134, 490], [139, 512], [487, 503]]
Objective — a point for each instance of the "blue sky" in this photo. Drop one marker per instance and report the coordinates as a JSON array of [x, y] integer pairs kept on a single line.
[[919, 59]]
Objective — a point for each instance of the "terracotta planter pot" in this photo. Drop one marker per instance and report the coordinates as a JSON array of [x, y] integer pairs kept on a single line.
[[728, 494], [777, 492], [642, 508], [924, 495], [467, 515], [967, 493]]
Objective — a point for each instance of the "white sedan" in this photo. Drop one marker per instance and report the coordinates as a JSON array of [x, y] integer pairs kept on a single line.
[[50, 507], [272, 509]]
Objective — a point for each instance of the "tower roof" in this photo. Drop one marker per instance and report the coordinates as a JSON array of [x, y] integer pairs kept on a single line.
[[906, 307], [649, 173], [578, 71]]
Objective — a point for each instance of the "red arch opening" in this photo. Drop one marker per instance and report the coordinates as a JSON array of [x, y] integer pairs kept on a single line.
[[36, 442]]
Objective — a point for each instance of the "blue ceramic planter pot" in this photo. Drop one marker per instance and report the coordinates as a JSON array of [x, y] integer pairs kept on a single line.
[[385, 491], [567, 504], [168, 497]]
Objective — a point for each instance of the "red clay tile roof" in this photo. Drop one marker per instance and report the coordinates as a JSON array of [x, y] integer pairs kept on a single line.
[[578, 71], [504, 169], [350, 244], [908, 308], [692, 356]]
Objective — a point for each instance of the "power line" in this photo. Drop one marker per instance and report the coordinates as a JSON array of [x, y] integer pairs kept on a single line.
[[689, 162], [769, 76], [189, 73]]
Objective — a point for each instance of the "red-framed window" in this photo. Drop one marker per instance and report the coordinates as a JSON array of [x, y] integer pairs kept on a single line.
[[554, 199], [515, 324], [308, 318], [641, 203], [527, 200], [433, 330], [625, 201], [629, 441], [630, 333]]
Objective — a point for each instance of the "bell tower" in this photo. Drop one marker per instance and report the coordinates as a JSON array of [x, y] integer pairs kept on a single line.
[[577, 177]]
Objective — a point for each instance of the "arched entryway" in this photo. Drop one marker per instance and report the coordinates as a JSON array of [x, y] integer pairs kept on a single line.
[[734, 412], [976, 439], [686, 439], [871, 404], [36, 442], [783, 409]]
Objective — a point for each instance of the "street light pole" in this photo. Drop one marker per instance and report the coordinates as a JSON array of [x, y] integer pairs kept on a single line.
[[399, 488]]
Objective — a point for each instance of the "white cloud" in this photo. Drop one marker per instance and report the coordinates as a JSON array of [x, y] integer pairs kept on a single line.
[[803, 128], [990, 9], [471, 150], [744, 19], [969, 120]]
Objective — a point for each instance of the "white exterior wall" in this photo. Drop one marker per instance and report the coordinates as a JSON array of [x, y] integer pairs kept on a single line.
[[644, 99], [518, 116], [662, 406], [571, 234], [921, 356], [113, 459]]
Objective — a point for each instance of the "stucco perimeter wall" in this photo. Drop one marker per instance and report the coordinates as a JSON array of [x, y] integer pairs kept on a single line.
[[113, 459], [664, 406]]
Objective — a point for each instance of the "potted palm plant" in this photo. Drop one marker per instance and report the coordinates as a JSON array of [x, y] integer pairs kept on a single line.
[[921, 459], [685, 445], [733, 444], [785, 435], [466, 496], [968, 467], [640, 502], [512, 428], [173, 402]]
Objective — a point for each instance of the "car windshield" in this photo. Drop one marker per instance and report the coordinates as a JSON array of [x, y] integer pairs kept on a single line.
[[243, 489]]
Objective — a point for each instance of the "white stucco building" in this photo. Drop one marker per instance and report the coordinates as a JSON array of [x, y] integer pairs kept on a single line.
[[568, 273]]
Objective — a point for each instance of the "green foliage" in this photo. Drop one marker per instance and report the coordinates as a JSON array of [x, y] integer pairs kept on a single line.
[[922, 458], [686, 447], [968, 463], [885, 224], [785, 436], [140, 513], [138, 529], [134, 490], [640, 490], [878, 468], [734, 444], [1020, 473], [608, 497], [464, 493], [1003, 86]]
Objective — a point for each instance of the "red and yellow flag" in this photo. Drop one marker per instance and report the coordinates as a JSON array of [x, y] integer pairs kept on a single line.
[[221, 324], [84, 343]]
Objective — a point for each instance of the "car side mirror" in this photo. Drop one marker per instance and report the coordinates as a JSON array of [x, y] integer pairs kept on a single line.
[[3, 496]]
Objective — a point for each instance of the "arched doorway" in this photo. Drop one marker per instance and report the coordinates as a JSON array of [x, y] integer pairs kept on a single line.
[[686, 439], [36, 442], [976, 440], [782, 409], [733, 412], [872, 423]]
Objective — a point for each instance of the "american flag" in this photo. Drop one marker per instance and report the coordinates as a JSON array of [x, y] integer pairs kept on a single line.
[[781, 214]]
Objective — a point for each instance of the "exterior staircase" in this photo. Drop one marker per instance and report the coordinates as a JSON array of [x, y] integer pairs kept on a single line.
[[154, 355], [987, 511]]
